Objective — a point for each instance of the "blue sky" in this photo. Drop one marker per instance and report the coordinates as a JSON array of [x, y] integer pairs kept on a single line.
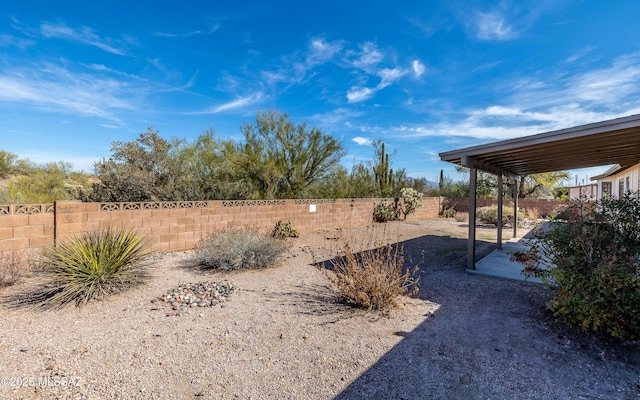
[[423, 76]]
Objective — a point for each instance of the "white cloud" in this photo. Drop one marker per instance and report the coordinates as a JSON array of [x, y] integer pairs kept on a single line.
[[239, 102], [609, 85], [84, 35], [491, 26], [176, 35], [389, 75], [321, 51], [9, 40], [368, 56], [579, 54], [362, 141], [57, 89], [337, 116], [540, 104], [357, 94], [418, 68]]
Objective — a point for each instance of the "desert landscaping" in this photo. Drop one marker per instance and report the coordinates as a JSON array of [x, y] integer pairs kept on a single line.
[[281, 333]]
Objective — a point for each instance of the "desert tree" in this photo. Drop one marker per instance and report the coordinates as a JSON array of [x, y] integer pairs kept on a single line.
[[283, 158]]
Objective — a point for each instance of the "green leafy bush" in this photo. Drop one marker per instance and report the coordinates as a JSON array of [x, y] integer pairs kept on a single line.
[[592, 255], [489, 215], [411, 199], [384, 212], [236, 248], [93, 265], [284, 230], [373, 279], [448, 213]]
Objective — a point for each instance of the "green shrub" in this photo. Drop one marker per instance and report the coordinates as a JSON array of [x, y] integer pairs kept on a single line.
[[411, 199], [384, 212], [448, 213], [284, 230], [489, 215], [373, 279], [93, 265], [234, 248], [592, 255]]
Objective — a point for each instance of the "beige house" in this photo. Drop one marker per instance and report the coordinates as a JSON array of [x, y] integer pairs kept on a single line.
[[618, 180], [583, 191]]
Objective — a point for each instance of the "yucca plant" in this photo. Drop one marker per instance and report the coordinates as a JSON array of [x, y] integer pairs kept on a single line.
[[93, 265]]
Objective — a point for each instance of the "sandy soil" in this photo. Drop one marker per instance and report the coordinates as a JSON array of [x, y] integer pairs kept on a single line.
[[284, 336]]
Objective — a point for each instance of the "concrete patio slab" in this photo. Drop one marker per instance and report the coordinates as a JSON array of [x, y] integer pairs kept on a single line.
[[497, 263]]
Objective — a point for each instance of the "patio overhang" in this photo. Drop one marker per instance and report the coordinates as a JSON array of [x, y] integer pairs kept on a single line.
[[615, 141]]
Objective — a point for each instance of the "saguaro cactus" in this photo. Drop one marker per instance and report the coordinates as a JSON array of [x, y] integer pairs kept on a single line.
[[383, 174]]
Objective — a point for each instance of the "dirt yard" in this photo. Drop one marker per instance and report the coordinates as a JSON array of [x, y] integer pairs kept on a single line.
[[283, 335]]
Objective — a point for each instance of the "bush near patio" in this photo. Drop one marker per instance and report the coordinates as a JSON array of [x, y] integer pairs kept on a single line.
[[489, 215], [594, 255]]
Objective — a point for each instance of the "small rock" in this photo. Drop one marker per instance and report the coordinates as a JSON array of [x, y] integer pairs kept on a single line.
[[26, 348]]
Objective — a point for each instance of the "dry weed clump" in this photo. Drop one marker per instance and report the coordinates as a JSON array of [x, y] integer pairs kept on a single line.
[[238, 248], [12, 268], [373, 279]]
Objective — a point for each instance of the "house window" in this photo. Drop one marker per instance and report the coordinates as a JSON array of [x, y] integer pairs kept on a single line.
[[628, 182], [606, 189], [620, 188]]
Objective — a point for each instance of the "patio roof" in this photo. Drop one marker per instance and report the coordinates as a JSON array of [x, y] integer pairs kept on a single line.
[[615, 141]]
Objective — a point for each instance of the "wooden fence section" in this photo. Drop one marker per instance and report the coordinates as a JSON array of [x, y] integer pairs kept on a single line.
[[176, 226]]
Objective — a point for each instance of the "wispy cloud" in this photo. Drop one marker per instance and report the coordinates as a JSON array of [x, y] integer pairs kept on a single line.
[[295, 68], [492, 26], [367, 57], [176, 35], [10, 40], [547, 103], [84, 35], [358, 94], [339, 116], [579, 54], [54, 88], [239, 102], [387, 77]]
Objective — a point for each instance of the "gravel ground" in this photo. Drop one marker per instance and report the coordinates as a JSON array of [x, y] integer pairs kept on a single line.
[[280, 334]]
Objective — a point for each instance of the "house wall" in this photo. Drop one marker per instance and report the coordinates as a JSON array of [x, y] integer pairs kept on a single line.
[[176, 226], [633, 176], [583, 191]]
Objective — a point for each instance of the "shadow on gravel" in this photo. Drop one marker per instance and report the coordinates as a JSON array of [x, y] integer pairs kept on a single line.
[[36, 298], [492, 339]]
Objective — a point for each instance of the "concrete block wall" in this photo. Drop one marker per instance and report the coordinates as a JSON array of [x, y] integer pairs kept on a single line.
[[541, 206], [177, 226], [26, 228]]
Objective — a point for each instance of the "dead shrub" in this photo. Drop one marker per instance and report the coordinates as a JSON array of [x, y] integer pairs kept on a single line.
[[239, 248], [373, 279], [12, 268], [533, 214]]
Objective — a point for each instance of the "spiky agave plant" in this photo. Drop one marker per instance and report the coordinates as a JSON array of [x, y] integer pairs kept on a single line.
[[94, 264]]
